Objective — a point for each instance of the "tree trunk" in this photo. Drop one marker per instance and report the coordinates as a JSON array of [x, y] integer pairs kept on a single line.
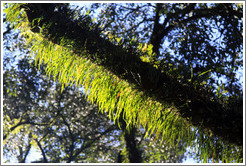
[[134, 153]]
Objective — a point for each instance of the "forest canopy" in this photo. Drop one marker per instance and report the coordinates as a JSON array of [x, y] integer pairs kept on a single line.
[[168, 71]]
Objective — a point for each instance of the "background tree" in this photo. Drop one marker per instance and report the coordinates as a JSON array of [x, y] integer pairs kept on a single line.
[[165, 88]]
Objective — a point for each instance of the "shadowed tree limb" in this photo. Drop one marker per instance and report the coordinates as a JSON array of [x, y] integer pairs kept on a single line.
[[191, 103]]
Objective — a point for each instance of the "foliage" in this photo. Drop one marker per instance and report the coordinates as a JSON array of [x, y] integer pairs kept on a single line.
[[202, 39], [59, 122], [62, 126], [69, 61]]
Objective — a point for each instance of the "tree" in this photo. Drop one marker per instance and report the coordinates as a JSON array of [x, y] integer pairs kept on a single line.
[[62, 125], [149, 84]]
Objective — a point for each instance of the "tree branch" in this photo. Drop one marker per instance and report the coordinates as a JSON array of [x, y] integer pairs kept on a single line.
[[42, 151], [71, 135], [175, 19], [191, 103], [83, 147], [26, 153]]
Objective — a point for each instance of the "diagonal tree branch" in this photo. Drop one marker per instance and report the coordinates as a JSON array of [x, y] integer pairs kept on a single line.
[[45, 160], [192, 103]]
